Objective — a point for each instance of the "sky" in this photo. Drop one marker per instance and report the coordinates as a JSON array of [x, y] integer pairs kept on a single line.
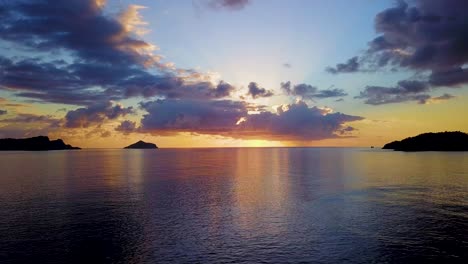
[[232, 73]]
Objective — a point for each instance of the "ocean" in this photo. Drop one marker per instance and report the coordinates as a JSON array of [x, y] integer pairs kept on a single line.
[[233, 205]]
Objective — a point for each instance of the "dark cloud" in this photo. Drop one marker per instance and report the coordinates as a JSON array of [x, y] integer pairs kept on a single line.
[[106, 61], [201, 90], [14, 131], [229, 4], [376, 95], [32, 118], [95, 114], [404, 91], [424, 35], [352, 65], [295, 122], [287, 65], [76, 26], [84, 84], [28, 125], [431, 34], [223, 89], [330, 93], [347, 130], [231, 119], [307, 91], [443, 97], [255, 91], [427, 36], [303, 90], [192, 115], [452, 77], [3, 112], [126, 127]]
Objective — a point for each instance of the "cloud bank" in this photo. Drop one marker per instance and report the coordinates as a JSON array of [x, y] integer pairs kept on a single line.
[[91, 60], [425, 36], [307, 91], [232, 119]]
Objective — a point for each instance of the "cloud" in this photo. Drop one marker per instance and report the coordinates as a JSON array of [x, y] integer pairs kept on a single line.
[[126, 127], [347, 130], [296, 122], [352, 65], [32, 118], [432, 34], [427, 36], [424, 35], [228, 4], [3, 112], [204, 117], [231, 119], [376, 95], [27, 125], [307, 91], [255, 91], [452, 77], [95, 114], [404, 91], [84, 84], [106, 59], [105, 134], [445, 96], [223, 89], [79, 27], [287, 65], [331, 93], [441, 98]]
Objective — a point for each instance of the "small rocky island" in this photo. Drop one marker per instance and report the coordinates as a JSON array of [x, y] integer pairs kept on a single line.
[[442, 141], [40, 143], [142, 145]]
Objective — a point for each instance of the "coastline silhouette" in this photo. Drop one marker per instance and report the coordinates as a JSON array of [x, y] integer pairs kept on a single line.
[[39, 143], [442, 141], [142, 145]]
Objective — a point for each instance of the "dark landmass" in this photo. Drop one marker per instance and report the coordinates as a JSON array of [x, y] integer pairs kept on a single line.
[[142, 145], [442, 141], [39, 143]]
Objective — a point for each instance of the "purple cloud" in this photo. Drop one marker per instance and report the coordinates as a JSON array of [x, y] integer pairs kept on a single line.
[[256, 91], [107, 59], [126, 127], [231, 119], [405, 91], [95, 114], [307, 91], [427, 36], [352, 65], [229, 4]]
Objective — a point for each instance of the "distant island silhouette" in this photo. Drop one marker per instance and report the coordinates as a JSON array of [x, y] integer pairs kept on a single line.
[[442, 141], [142, 145], [39, 143]]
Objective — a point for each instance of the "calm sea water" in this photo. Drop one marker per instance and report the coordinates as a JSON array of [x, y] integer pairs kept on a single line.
[[240, 205]]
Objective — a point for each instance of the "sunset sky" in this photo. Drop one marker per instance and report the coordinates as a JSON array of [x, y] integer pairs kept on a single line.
[[229, 73]]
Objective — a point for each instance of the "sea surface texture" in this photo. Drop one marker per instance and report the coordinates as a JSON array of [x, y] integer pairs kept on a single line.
[[238, 205]]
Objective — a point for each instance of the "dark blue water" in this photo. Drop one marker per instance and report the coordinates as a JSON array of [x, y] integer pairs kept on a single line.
[[252, 205]]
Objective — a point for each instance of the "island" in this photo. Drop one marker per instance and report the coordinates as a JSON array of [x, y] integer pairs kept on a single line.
[[442, 141], [142, 145], [40, 143]]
